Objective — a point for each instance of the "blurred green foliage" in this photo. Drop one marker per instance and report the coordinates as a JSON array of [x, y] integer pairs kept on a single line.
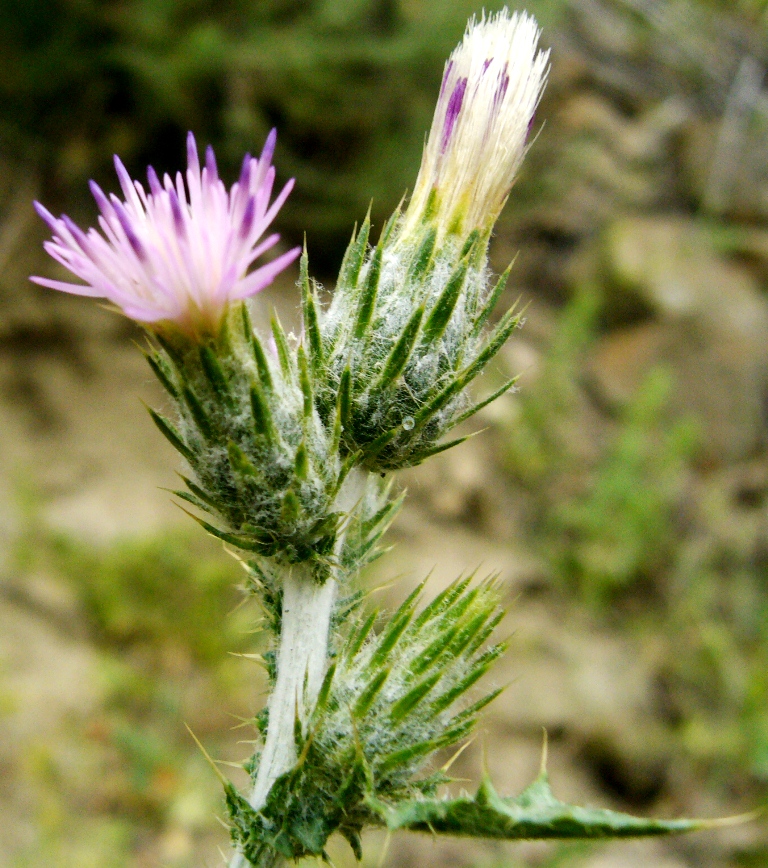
[[350, 85], [164, 616], [604, 516], [168, 590]]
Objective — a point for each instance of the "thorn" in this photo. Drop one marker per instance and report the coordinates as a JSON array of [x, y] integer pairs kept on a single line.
[[544, 753], [458, 753], [205, 753], [736, 820], [384, 849], [484, 761]]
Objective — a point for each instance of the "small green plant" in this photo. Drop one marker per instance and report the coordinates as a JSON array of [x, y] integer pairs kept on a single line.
[[621, 527], [604, 517]]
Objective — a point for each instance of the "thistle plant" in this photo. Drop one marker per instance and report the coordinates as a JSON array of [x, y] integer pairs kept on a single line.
[[289, 440]]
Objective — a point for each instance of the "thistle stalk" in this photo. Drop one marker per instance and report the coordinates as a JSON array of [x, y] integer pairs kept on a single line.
[[302, 657]]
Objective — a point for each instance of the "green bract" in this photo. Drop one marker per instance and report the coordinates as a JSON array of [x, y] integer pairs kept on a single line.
[[402, 339], [265, 465]]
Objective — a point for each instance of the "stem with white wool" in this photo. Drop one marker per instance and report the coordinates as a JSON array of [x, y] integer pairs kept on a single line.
[[302, 658]]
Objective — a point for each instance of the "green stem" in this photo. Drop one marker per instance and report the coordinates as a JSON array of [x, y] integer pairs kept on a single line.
[[302, 658]]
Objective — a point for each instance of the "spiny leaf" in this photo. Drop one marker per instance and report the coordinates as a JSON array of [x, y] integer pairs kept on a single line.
[[506, 326], [438, 319], [406, 755], [195, 501], [483, 634], [215, 374], [281, 342], [473, 710], [262, 415], [261, 361], [369, 694], [508, 323], [291, 508], [423, 256], [353, 839], [356, 642], [163, 372], [535, 813], [240, 462], [450, 696], [389, 638], [372, 449], [383, 517], [325, 691], [386, 232], [345, 396], [469, 243], [202, 494], [353, 258], [476, 408], [172, 435], [492, 300], [250, 545], [198, 413], [442, 601], [401, 352], [423, 454], [368, 295], [245, 322], [430, 209], [309, 310], [407, 703], [301, 464], [306, 383]]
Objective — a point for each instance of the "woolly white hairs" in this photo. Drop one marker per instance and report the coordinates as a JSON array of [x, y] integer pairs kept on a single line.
[[491, 86]]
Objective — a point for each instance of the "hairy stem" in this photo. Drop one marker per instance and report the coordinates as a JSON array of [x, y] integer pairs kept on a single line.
[[302, 657]]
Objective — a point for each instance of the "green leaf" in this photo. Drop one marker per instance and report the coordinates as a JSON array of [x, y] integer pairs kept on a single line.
[[355, 254], [281, 342], [407, 703], [356, 643], [164, 374], [508, 323], [476, 408], [215, 374], [301, 463], [262, 364], [344, 401], [306, 383], [386, 232], [198, 413], [469, 243], [262, 416], [309, 310], [492, 300], [241, 463], [368, 295], [423, 256], [291, 508], [535, 813], [369, 694], [438, 319], [401, 352], [172, 435]]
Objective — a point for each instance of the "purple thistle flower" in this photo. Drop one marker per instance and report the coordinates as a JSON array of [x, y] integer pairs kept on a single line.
[[491, 86], [178, 253]]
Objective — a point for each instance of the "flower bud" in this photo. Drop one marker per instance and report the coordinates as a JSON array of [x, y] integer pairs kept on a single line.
[[491, 87], [404, 335]]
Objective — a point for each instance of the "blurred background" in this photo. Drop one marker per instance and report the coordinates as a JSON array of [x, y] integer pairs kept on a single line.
[[621, 494]]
